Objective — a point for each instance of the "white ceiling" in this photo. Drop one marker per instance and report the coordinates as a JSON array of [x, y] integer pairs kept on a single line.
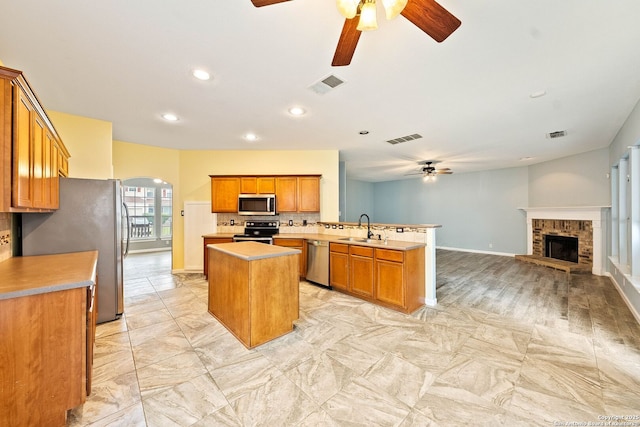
[[127, 62]]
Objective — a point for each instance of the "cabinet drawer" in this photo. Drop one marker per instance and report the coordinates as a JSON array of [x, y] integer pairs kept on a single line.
[[390, 255], [361, 251], [290, 243], [339, 247]]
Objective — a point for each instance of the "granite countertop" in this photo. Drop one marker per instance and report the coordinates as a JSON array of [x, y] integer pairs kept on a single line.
[[251, 251], [391, 244], [32, 275]]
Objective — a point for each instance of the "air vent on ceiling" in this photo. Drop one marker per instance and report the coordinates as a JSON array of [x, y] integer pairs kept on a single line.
[[557, 134], [326, 84], [404, 139]]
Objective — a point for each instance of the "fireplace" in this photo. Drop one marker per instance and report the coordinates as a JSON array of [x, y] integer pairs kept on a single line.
[[564, 248], [586, 223]]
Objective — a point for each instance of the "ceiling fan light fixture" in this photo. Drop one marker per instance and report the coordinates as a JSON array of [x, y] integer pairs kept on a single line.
[[348, 8], [368, 20], [393, 8]]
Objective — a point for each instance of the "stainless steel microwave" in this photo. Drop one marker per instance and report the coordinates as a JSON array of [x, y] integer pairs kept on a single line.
[[257, 204]]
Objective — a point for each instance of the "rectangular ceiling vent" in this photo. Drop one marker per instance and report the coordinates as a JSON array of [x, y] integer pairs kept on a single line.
[[326, 84], [557, 134], [404, 139]]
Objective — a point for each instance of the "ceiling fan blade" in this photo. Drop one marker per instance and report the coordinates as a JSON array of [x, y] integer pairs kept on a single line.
[[444, 172], [260, 3], [347, 43], [431, 18]]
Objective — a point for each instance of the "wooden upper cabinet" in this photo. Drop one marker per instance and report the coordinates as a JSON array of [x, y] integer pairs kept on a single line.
[[309, 194], [287, 194], [257, 185], [293, 193], [224, 193], [31, 152]]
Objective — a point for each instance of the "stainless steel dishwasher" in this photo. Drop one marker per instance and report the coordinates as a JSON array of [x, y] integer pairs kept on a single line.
[[318, 262]]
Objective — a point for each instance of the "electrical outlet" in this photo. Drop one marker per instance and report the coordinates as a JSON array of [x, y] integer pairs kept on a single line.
[[326, 226], [341, 226], [304, 222], [290, 223], [490, 245], [334, 226], [399, 230]]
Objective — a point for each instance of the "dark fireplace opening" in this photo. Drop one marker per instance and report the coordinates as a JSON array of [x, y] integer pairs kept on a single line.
[[561, 247]]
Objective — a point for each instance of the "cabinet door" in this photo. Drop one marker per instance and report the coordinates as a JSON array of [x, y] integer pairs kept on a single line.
[[22, 195], [248, 185], [37, 163], [224, 194], [266, 185], [52, 182], [309, 194], [390, 283], [287, 194], [339, 270], [361, 274]]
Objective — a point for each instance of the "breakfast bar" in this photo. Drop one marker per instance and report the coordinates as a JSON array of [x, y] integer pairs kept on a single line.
[[253, 289]]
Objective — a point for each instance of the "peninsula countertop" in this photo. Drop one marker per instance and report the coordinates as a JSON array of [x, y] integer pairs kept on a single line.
[[400, 245], [32, 275]]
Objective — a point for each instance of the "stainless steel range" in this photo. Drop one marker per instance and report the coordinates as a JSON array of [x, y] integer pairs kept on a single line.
[[258, 231]]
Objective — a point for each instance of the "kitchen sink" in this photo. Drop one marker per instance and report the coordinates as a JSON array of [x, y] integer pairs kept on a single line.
[[360, 240]]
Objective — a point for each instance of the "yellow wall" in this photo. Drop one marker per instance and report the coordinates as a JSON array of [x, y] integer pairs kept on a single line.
[[89, 143], [188, 172]]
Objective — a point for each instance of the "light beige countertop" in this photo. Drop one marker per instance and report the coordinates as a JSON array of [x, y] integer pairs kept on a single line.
[[391, 244], [31, 275], [251, 251]]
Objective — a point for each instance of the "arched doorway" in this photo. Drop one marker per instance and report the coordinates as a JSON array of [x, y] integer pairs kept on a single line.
[[150, 204]]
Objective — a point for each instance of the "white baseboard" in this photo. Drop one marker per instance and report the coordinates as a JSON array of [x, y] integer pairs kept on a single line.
[[476, 251]]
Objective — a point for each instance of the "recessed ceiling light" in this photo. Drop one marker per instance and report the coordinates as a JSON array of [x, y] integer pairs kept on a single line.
[[297, 111], [251, 136], [538, 94], [170, 117], [525, 158], [201, 74]]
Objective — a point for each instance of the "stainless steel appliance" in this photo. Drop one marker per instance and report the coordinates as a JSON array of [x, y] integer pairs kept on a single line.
[[318, 262], [257, 204], [258, 231], [92, 216]]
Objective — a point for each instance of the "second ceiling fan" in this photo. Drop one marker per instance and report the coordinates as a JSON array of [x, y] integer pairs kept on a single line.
[[427, 15]]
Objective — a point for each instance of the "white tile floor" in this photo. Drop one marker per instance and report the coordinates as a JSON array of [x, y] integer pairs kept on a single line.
[[509, 344]]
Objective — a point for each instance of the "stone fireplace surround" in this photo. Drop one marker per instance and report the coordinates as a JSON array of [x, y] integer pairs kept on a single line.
[[588, 223]]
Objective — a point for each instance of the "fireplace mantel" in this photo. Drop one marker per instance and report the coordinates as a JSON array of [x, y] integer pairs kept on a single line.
[[598, 216]]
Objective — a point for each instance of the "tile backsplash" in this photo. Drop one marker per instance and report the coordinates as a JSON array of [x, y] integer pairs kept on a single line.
[[5, 236]]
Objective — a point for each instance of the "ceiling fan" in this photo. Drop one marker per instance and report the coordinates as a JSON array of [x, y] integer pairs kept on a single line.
[[429, 172], [427, 15]]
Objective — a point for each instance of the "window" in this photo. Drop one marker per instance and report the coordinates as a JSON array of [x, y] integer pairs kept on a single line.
[[150, 209]]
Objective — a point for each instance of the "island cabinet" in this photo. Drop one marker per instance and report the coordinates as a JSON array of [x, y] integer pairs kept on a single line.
[[253, 290], [392, 278], [48, 314], [298, 244], [32, 155], [212, 241]]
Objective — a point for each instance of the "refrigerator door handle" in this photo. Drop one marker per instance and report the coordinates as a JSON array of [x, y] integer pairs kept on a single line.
[[126, 213]]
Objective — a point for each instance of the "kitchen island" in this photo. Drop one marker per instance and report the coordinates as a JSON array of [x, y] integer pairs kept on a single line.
[[253, 289]]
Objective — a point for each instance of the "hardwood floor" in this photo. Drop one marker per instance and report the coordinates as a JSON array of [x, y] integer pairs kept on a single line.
[[509, 344]]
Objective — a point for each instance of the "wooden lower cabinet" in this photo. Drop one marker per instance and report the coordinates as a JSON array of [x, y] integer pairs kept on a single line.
[[295, 244], [339, 266], [361, 270], [212, 241], [387, 277]]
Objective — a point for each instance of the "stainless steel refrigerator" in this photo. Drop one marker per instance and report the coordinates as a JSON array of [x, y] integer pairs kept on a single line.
[[91, 216]]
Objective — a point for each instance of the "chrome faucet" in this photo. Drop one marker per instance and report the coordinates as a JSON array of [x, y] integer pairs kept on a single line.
[[369, 232]]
